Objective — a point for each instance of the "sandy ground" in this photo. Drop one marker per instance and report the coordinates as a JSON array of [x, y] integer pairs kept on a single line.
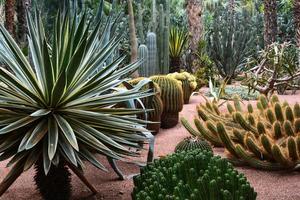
[[269, 185]]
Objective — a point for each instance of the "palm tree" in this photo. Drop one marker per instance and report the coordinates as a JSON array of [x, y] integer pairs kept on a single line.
[[9, 15], [194, 11], [270, 21]]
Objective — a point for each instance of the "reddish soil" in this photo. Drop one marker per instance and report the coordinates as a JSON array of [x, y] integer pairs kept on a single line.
[[269, 185]]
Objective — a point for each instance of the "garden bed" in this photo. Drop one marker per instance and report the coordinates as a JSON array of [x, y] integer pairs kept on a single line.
[[269, 185]]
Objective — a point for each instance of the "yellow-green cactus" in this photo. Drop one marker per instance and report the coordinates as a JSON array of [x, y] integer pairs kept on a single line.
[[172, 98], [153, 103], [188, 82], [265, 137]]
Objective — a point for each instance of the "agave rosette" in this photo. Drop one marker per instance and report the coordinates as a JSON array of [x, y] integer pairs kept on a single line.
[[58, 105]]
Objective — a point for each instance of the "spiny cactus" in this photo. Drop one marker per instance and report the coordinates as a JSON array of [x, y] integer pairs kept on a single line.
[[154, 103], [172, 97], [188, 82], [192, 143], [266, 137], [143, 54], [153, 67], [191, 175]]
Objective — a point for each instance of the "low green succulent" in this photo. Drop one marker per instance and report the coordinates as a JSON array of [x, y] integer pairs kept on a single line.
[[191, 175]]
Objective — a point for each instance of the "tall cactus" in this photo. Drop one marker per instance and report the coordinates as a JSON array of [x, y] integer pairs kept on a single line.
[[265, 138], [160, 37], [172, 97], [140, 28], [152, 54], [143, 54]]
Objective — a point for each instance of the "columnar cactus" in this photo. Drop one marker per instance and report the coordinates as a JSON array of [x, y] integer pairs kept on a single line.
[[189, 84], [152, 54], [267, 137], [193, 143], [144, 55], [191, 175], [172, 97], [154, 103]]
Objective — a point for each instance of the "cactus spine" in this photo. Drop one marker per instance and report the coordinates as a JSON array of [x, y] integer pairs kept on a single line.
[[267, 137]]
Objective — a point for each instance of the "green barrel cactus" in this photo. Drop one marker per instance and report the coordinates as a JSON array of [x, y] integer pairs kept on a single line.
[[266, 137], [154, 104], [192, 143], [172, 97], [191, 175], [189, 84]]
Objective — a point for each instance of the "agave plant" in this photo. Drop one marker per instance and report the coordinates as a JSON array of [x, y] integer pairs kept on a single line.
[[177, 43], [58, 106]]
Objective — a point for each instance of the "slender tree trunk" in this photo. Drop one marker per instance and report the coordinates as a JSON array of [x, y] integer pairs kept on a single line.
[[9, 16], [133, 38], [22, 7], [194, 11], [270, 22]]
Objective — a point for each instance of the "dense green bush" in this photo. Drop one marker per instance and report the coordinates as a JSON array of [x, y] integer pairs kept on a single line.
[[191, 175]]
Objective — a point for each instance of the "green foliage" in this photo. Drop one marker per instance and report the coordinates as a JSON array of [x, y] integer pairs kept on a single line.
[[60, 106], [193, 143], [190, 175], [205, 67], [230, 41], [177, 43], [172, 97], [241, 91], [275, 68], [265, 137]]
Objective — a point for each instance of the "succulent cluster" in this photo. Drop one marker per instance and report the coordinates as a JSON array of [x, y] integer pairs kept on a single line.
[[188, 82], [193, 143], [172, 97], [190, 175], [265, 137]]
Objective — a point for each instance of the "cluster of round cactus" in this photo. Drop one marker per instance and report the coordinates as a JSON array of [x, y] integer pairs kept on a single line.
[[266, 137], [188, 82], [191, 175], [193, 143]]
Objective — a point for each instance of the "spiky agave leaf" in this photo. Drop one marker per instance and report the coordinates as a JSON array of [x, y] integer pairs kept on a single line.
[[60, 105]]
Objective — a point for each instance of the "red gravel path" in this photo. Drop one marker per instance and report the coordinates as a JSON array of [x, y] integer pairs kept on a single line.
[[269, 185]]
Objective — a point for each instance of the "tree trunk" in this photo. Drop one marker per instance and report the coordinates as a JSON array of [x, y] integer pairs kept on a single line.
[[297, 21], [133, 38], [270, 22], [9, 16], [194, 11], [22, 6]]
